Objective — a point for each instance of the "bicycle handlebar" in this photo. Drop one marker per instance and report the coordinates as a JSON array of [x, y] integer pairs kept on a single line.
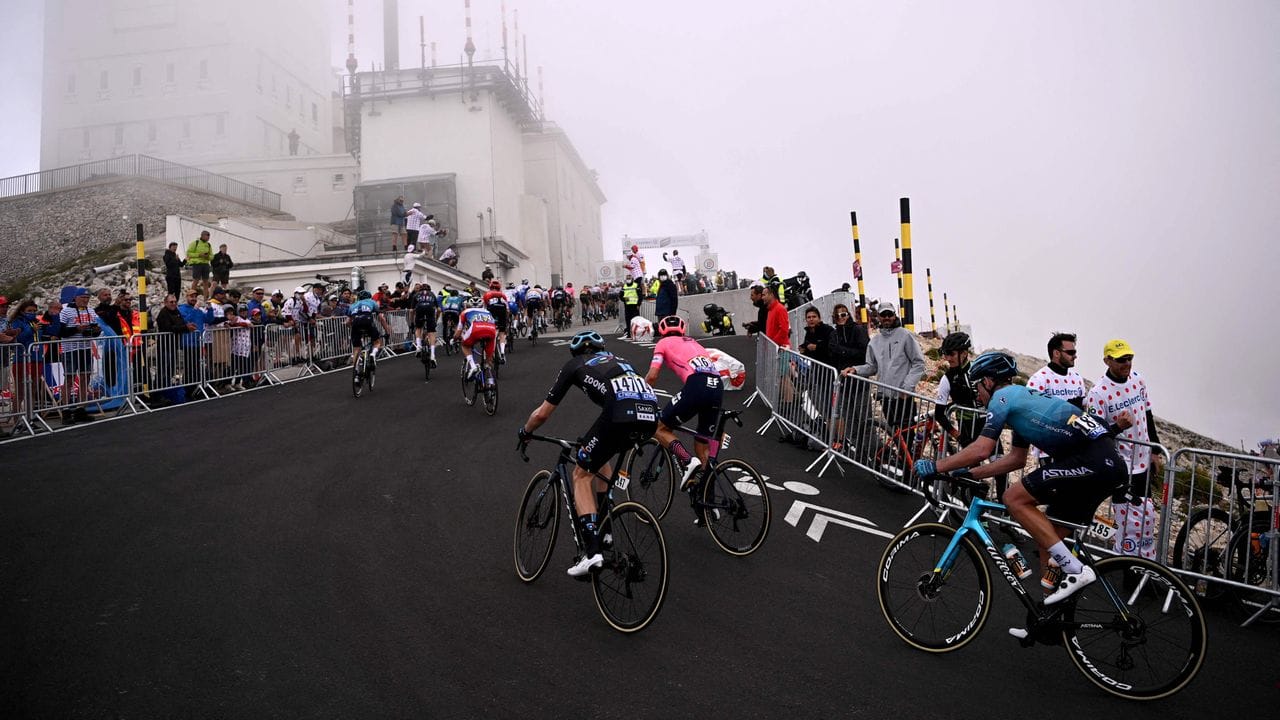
[[523, 445], [962, 478]]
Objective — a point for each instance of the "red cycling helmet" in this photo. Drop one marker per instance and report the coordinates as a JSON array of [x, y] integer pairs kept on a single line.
[[495, 285], [671, 325]]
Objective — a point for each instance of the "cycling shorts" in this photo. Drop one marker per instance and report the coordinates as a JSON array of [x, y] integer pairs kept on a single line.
[[425, 317], [499, 313], [480, 331], [606, 438], [533, 304], [701, 396], [362, 325], [450, 318], [1074, 484]]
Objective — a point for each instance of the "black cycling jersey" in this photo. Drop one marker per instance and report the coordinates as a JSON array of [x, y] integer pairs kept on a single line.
[[425, 302], [610, 382]]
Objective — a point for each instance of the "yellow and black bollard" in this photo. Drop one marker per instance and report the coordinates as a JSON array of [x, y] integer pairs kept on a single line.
[[946, 312], [897, 265], [857, 269], [928, 278], [908, 304]]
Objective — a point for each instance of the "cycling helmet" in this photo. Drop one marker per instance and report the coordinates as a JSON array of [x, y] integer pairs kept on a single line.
[[587, 340], [495, 285], [956, 342], [672, 325], [365, 295], [473, 302], [992, 364]]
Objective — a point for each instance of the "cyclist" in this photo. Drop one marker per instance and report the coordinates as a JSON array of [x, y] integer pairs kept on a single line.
[[701, 396], [425, 305], [533, 299], [475, 324], [495, 301], [1086, 467], [451, 304], [954, 390], [629, 414], [365, 315], [559, 301]]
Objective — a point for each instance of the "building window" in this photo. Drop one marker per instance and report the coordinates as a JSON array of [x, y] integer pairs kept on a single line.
[[204, 69], [170, 73], [221, 125], [299, 185], [151, 132], [339, 181], [137, 77], [71, 84], [104, 80]]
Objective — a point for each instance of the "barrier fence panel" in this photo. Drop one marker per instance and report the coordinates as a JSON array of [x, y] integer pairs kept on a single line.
[[81, 376], [333, 341], [171, 368], [885, 429], [766, 374], [282, 349], [805, 390], [234, 358], [16, 368], [1225, 525], [400, 332]]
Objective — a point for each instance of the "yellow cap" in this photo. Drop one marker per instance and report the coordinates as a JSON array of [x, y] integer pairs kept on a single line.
[[1116, 348]]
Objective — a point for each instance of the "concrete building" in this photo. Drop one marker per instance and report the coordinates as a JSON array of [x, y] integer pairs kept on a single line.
[[189, 81]]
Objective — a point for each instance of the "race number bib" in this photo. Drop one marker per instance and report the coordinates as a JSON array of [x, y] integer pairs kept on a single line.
[[632, 387], [1086, 425], [703, 364]]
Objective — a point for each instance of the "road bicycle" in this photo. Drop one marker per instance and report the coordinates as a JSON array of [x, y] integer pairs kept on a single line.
[[1136, 631], [484, 383], [899, 449], [450, 323], [365, 370], [1232, 543], [732, 500], [632, 583]]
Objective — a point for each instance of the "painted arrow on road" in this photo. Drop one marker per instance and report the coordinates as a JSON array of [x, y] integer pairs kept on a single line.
[[824, 516]]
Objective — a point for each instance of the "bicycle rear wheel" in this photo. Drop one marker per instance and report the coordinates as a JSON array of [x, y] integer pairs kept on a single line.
[[933, 613], [1201, 547], [651, 473], [735, 504], [892, 470], [631, 585], [357, 376], [490, 393], [470, 387], [1152, 654], [1249, 562], [536, 526]]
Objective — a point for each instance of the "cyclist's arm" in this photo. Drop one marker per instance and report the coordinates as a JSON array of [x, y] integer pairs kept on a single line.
[[540, 415], [972, 454], [1015, 459], [944, 403]]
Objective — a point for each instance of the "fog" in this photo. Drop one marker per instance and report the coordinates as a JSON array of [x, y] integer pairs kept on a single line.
[[1108, 168]]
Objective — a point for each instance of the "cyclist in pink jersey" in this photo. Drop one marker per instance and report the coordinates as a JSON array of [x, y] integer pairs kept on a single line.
[[702, 394]]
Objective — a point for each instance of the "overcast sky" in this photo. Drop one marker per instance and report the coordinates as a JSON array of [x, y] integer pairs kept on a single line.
[[1110, 168]]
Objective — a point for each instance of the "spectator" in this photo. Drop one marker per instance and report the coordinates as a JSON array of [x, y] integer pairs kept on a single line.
[[241, 346], [429, 234], [221, 265], [667, 298], [170, 320], [449, 257], [413, 224], [770, 279], [295, 316], [173, 270], [719, 281], [848, 347], [895, 360], [844, 288], [487, 275], [635, 268], [1121, 391], [21, 327], [816, 344], [677, 265], [1059, 378], [51, 320], [410, 259], [108, 312], [257, 300], [218, 342], [762, 311], [777, 324], [79, 326], [199, 256], [398, 219]]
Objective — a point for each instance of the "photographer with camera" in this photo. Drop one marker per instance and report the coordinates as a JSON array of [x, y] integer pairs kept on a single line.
[[79, 321]]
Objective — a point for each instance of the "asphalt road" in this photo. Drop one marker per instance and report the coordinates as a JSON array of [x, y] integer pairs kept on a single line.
[[295, 552]]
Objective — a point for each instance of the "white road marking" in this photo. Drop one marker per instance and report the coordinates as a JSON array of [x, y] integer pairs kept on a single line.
[[824, 516]]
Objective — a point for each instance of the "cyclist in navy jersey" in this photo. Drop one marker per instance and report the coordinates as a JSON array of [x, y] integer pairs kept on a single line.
[[425, 306], [1085, 469], [629, 415]]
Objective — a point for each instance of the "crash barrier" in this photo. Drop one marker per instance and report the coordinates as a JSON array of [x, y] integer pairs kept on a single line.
[[1211, 516], [54, 383], [1225, 525]]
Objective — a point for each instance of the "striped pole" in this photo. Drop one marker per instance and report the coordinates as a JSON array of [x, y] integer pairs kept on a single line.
[[897, 259], [142, 280], [928, 278], [857, 269], [908, 304], [946, 310], [955, 313]]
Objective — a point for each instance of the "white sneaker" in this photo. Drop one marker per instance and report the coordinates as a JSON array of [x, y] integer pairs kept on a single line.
[[1070, 584], [689, 472], [585, 564]]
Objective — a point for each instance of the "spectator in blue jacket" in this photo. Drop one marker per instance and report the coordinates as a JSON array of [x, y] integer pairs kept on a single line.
[[192, 346]]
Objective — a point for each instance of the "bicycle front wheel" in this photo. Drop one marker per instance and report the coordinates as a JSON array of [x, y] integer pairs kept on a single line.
[[890, 465], [536, 526], [651, 475], [934, 612], [735, 504], [1150, 650], [631, 585], [470, 387], [491, 397], [357, 376]]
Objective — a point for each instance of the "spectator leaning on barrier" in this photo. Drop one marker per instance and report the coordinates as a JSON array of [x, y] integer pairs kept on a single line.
[[816, 344], [848, 347], [1122, 391], [895, 360], [79, 326], [199, 256]]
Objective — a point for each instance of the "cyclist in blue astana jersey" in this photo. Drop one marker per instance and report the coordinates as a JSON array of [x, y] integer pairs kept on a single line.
[[363, 313], [629, 415], [1085, 468]]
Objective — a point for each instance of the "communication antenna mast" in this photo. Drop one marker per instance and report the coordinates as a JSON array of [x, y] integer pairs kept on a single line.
[[470, 50], [516, 13], [351, 38], [542, 98]]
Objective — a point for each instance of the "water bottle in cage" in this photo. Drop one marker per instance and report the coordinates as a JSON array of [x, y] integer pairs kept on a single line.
[[1017, 562]]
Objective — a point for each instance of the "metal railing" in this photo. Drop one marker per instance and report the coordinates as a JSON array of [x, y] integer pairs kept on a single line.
[[137, 165]]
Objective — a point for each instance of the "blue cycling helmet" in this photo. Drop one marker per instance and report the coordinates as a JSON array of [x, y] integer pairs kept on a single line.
[[365, 295], [584, 341], [992, 364]]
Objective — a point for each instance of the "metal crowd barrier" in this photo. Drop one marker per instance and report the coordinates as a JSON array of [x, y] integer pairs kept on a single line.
[[332, 340], [766, 373], [82, 375], [16, 368], [1225, 524], [400, 333], [882, 429], [171, 368], [804, 394]]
